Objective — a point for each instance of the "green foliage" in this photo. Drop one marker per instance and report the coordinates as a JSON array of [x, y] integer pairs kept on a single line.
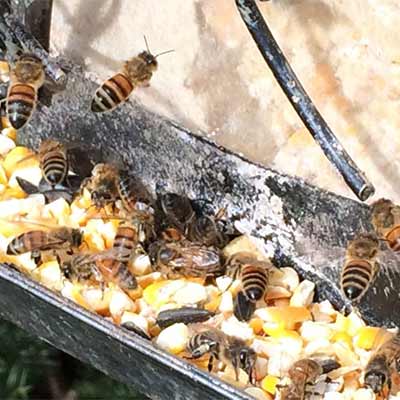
[[25, 364]]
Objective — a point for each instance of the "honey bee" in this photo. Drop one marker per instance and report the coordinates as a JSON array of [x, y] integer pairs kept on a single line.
[[131, 190], [26, 78], [360, 266], [115, 267], [229, 350], [81, 268], [37, 241], [177, 211], [102, 185], [386, 221], [302, 373], [136, 72], [384, 361], [186, 259], [53, 161], [254, 277]]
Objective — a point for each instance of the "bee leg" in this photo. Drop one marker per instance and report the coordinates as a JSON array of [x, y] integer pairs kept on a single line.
[[37, 258], [103, 289], [210, 364]]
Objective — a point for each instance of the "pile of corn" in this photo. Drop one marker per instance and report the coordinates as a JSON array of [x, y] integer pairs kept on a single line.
[[286, 326]]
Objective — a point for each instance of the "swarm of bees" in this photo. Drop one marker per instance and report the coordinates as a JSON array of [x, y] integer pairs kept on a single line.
[[187, 247]]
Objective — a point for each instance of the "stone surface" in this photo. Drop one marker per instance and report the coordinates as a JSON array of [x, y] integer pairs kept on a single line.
[[345, 53]]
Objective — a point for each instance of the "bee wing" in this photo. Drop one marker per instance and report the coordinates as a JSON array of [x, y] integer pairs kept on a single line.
[[205, 258], [31, 223], [382, 337]]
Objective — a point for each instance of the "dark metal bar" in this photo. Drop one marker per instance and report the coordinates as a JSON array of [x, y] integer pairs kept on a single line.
[[35, 15], [301, 102], [115, 351]]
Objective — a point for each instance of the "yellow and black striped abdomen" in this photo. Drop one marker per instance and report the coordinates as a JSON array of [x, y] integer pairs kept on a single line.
[[393, 238], [21, 102], [125, 241], [254, 281], [356, 278], [29, 241], [117, 272], [54, 165], [111, 93]]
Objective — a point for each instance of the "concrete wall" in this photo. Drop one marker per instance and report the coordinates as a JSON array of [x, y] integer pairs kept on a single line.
[[346, 53]]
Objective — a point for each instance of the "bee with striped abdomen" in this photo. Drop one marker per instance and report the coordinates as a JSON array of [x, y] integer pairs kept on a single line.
[[228, 349], [136, 72], [383, 362], [360, 266], [386, 221], [39, 240], [26, 78], [254, 277], [302, 373], [186, 259], [81, 268], [53, 159]]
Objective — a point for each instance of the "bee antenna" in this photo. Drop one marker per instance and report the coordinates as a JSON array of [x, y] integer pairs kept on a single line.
[[164, 52], [147, 45]]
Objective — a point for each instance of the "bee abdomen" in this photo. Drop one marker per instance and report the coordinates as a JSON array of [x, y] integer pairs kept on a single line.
[[55, 167], [29, 241], [126, 279], [21, 102], [255, 281], [201, 344], [16, 246], [393, 238], [125, 240], [356, 278], [111, 93]]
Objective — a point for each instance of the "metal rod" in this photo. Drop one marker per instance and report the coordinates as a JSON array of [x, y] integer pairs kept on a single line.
[[301, 102]]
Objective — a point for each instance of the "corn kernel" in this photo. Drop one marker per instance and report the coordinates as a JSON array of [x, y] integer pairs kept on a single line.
[[3, 176], [13, 160], [10, 132], [343, 337], [257, 325], [173, 338], [159, 293], [13, 193], [269, 384], [289, 315], [366, 337], [342, 323]]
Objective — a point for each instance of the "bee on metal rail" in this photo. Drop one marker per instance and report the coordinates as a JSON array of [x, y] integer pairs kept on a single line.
[[26, 78], [38, 240], [254, 277], [136, 72], [229, 350], [383, 362], [302, 373], [184, 258], [386, 221], [360, 266]]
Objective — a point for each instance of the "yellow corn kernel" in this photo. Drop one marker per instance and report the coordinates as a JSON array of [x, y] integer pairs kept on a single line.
[[257, 325], [289, 316], [366, 336], [78, 298], [274, 329], [213, 304], [14, 159], [269, 384], [343, 337], [150, 294], [10, 132], [342, 323], [94, 242], [13, 193], [3, 176]]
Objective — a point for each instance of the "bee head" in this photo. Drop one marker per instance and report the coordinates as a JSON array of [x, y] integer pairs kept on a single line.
[[376, 380], [66, 269], [149, 59], [77, 237]]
